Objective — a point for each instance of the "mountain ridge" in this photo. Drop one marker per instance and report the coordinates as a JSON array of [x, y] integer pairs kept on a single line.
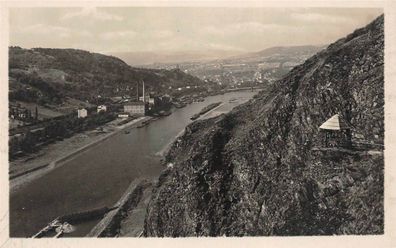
[[278, 49], [169, 57], [50, 75]]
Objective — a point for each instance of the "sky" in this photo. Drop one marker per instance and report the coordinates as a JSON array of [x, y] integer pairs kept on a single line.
[[178, 29]]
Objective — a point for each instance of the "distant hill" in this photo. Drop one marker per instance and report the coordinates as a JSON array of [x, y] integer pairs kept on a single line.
[[279, 54], [54, 76], [163, 57], [267, 65]]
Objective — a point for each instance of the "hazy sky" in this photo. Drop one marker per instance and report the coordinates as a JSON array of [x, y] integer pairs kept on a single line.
[[181, 29]]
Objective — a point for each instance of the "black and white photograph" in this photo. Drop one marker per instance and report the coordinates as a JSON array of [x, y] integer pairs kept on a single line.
[[193, 121]]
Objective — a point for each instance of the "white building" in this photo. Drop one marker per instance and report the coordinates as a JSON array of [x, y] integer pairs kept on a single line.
[[142, 99], [101, 108], [151, 101], [148, 99], [135, 108], [82, 113]]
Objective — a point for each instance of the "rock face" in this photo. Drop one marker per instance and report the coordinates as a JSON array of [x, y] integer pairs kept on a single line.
[[262, 168]]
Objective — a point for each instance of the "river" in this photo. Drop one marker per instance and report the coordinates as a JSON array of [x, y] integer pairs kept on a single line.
[[99, 176]]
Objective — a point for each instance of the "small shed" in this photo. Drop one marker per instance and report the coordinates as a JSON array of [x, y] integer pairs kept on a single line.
[[336, 132], [82, 113]]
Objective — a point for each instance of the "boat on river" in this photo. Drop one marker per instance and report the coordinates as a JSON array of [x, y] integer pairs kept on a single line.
[[165, 113], [196, 116], [180, 105], [64, 224], [142, 124], [205, 110], [146, 122]]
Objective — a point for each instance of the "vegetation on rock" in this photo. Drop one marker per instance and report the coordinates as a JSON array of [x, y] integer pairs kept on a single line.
[[262, 169]]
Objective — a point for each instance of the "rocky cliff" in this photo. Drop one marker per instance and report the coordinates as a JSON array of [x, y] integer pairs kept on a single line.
[[262, 169]]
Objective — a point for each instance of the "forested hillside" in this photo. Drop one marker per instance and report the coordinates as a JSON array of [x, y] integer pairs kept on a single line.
[[49, 76]]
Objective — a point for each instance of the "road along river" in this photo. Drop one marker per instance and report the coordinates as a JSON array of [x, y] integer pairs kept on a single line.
[[98, 176]]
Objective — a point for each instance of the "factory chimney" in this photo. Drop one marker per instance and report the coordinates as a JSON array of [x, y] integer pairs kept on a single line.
[[137, 91], [144, 96]]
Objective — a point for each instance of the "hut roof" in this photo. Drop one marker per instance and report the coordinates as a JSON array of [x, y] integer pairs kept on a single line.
[[334, 123]]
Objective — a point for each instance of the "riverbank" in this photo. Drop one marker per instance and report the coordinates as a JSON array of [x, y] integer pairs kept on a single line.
[[54, 155], [99, 176], [127, 219], [130, 220], [111, 225], [29, 167], [204, 116]]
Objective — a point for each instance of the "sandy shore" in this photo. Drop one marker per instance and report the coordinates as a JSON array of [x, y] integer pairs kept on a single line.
[[211, 113], [26, 169]]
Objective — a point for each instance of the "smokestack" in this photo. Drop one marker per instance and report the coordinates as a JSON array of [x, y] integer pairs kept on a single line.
[[137, 91], [144, 96]]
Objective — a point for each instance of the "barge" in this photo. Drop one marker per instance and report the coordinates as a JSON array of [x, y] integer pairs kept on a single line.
[[205, 110], [64, 224], [146, 122], [180, 105], [165, 113]]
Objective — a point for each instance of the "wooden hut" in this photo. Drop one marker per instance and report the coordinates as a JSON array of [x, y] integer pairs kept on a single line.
[[336, 132]]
